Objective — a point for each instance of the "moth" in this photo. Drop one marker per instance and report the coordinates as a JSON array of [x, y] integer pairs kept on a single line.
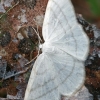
[[59, 69]]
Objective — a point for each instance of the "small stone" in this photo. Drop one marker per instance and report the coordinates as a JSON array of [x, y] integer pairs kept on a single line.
[[19, 36], [5, 38], [39, 20], [16, 56]]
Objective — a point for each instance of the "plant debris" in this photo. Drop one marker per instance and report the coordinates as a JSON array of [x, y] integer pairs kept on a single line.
[[19, 22], [27, 3], [32, 34], [92, 63], [3, 65], [5, 38], [26, 45]]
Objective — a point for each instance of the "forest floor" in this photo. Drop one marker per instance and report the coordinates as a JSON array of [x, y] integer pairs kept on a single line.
[[19, 19]]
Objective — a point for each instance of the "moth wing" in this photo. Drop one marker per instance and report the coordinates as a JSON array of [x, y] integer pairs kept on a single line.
[[53, 76], [61, 28], [40, 81]]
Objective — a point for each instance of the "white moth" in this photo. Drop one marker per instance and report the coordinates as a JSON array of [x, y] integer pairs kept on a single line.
[[59, 70]]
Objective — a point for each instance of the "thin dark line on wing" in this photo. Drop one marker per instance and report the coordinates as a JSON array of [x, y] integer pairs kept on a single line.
[[62, 26], [54, 79], [67, 22]]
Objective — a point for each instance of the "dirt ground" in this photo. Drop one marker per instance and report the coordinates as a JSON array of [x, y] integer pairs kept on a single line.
[[22, 46]]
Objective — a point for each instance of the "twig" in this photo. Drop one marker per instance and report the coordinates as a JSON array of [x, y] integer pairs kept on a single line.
[[31, 55], [17, 73], [31, 60], [9, 10]]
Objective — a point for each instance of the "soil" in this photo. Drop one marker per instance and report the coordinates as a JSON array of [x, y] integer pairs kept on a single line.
[[15, 23]]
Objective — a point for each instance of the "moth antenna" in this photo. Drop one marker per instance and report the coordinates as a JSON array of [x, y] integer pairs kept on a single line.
[[39, 38]]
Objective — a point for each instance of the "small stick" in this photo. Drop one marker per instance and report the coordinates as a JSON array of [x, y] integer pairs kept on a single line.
[[17, 73], [9, 10]]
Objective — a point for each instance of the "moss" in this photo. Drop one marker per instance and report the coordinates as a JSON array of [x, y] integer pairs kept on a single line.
[[95, 6]]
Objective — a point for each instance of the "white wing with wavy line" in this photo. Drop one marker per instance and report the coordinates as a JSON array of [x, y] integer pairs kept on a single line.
[[60, 28], [59, 70], [53, 76]]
